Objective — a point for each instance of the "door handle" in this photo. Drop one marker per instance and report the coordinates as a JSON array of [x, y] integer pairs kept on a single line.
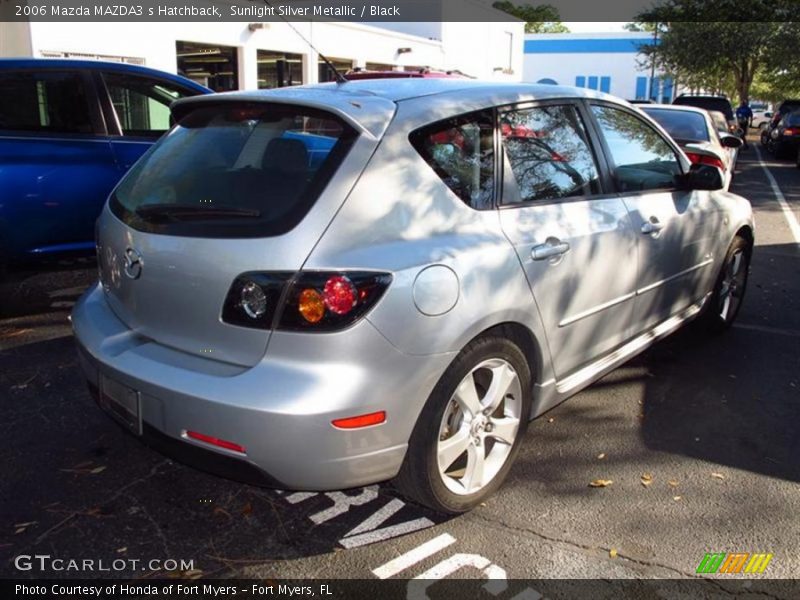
[[652, 226], [551, 248]]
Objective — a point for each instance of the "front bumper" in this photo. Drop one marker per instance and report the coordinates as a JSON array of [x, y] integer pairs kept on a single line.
[[280, 410]]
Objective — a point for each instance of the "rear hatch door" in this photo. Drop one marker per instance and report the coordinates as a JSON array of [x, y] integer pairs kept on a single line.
[[235, 187]]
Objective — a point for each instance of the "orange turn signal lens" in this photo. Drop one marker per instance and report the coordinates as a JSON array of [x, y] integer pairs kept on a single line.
[[375, 418], [311, 305]]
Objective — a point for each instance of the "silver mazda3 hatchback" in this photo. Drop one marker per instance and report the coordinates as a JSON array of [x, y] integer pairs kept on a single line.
[[325, 287]]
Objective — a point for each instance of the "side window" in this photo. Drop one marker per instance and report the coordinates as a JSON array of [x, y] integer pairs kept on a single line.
[[643, 160], [461, 152], [44, 102], [141, 103], [549, 154]]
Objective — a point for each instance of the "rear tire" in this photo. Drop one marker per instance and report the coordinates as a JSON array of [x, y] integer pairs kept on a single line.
[[471, 427], [726, 300]]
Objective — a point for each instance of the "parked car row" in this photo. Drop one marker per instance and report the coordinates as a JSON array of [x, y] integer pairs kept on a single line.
[[696, 132], [781, 137]]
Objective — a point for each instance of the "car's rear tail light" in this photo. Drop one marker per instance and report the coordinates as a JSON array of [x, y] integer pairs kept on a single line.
[[308, 301], [207, 439], [360, 421], [703, 159], [325, 301], [254, 298], [791, 131]]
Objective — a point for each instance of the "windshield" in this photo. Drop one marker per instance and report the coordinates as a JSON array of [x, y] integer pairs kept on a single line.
[[684, 126], [234, 170]]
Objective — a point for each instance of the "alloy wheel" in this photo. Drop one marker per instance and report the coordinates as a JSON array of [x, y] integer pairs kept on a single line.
[[479, 427], [733, 284]]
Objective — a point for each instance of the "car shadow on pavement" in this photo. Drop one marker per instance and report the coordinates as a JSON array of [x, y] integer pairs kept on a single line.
[[76, 485]]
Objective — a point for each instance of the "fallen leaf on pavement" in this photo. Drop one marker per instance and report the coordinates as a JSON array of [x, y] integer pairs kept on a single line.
[[248, 509], [718, 476], [647, 479], [599, 483], [613, 553], [676, 498], [601, 456], [673, 483], [221, 511], [28, 524], [550, 420]]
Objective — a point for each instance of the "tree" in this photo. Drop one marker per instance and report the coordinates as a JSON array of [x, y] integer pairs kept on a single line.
[[718, 55], [538, 19], [638, 26]]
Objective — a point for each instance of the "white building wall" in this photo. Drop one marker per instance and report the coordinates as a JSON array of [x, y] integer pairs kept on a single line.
[[477, 49], [584, 58]]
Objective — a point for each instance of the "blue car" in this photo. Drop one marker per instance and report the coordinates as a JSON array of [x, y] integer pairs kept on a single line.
[[69, 130]]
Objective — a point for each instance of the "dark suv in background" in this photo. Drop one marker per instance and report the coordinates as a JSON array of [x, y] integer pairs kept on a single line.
[[709, 102], [69, 129]]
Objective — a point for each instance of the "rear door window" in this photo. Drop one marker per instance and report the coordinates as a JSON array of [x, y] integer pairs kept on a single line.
[[461, 153], [234, 170], [549, 153], [54, 102], [141, 103]]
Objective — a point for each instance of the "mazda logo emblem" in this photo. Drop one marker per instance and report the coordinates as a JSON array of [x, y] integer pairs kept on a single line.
[[133, 263]]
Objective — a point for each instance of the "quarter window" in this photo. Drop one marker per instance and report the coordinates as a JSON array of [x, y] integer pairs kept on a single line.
[[141, 103], [549, 153], [45, 102], [461, 152], [643, 159]]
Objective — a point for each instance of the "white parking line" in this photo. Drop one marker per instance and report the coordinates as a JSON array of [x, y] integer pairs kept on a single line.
[[794, 226], [404, 561]]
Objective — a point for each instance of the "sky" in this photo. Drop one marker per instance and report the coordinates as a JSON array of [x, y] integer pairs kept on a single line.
[[602, 27]]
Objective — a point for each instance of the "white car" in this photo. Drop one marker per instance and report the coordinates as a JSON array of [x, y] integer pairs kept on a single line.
[[761, 119], [694, 131]]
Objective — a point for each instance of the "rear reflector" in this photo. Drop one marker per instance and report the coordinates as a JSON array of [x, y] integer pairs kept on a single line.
[[375, 418], [201, 437]]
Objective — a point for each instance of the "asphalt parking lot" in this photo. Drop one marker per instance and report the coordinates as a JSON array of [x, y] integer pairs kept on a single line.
[[699, 436]]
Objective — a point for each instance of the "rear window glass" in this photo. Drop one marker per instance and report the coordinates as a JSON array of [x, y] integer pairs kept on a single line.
[[793, 119], [682, 125], [249, 170]]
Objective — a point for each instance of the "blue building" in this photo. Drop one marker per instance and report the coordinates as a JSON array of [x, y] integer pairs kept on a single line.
[[607, 62]]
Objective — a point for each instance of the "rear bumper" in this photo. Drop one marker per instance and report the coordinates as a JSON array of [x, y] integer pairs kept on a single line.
[[280, 410]]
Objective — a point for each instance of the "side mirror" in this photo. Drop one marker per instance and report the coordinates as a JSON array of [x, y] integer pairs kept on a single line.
[[731, 141], [702, 177]]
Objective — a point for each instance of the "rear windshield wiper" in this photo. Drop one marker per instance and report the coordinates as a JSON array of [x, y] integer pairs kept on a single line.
[[187, 212]]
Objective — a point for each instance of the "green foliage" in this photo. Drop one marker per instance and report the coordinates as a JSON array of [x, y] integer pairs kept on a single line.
[[543, 18], [726, 56]]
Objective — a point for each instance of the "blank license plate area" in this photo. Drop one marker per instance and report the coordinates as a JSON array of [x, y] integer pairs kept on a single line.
[[122, 403]]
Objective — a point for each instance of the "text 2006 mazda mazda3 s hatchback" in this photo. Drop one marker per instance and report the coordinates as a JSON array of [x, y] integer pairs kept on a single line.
[[332, 286]]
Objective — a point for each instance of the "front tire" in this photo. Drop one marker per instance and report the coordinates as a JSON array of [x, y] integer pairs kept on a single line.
[[470, 430], [726, 299]]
